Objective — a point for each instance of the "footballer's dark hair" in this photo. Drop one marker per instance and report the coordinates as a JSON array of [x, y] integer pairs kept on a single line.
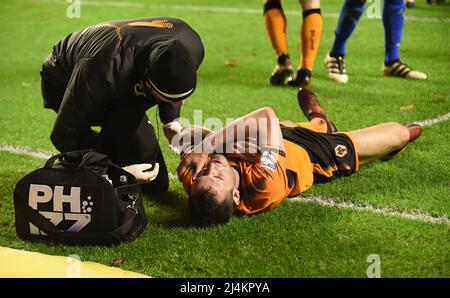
[[206, 211]]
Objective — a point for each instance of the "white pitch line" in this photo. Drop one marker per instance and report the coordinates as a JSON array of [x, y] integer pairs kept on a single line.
[[329, 202], [428, 122], [218, 9], [40, 153], [26, 151]]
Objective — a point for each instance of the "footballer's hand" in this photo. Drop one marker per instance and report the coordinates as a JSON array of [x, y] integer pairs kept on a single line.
[[143, 171], [192, 162]]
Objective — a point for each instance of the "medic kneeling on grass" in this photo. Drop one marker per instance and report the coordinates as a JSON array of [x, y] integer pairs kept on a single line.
[[109, 75], [256, 162]]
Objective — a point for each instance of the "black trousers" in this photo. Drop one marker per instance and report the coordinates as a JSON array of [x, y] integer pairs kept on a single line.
[[126, 135], [132, 141]]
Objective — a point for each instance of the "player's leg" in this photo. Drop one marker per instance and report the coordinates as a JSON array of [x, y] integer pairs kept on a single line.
[[393, 19], [315, 124], [382, 140], [348, 19], [310, 106], [310, 34], [275, 25]]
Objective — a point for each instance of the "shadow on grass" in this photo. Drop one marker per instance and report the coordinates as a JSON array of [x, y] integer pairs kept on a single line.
[[172, 210]]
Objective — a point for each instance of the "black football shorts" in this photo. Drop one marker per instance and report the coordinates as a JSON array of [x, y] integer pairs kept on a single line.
[[333, 155]]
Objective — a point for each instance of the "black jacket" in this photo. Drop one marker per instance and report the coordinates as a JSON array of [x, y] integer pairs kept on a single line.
[[104, 66]]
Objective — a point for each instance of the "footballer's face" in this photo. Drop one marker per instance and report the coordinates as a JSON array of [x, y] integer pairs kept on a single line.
[[216, 174]]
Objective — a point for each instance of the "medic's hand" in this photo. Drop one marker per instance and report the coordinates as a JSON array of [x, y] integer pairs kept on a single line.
[[170, 129], [143, 171]]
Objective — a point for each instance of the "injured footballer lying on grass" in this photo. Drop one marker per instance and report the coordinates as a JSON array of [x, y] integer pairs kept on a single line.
[[255, 162]]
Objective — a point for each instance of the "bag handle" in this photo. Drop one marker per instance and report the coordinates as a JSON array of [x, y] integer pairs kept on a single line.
[[70, 159], [88, 159], [81, 159]]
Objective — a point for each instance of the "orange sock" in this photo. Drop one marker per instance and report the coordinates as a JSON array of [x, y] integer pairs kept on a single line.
[[310, 37], [275, 22]]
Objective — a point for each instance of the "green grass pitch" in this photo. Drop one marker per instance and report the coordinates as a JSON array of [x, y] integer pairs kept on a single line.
[[295, 239]]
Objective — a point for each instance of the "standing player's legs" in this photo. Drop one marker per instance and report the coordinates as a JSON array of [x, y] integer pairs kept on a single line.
[[348, 19], [275, 25], [310, 34], [393, 20], [129, 138], [377, 141]]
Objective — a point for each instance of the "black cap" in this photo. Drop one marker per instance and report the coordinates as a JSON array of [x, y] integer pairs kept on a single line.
[[171, 71]]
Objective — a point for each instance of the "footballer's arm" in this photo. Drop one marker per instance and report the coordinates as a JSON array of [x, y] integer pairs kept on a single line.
[[262, 124]]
